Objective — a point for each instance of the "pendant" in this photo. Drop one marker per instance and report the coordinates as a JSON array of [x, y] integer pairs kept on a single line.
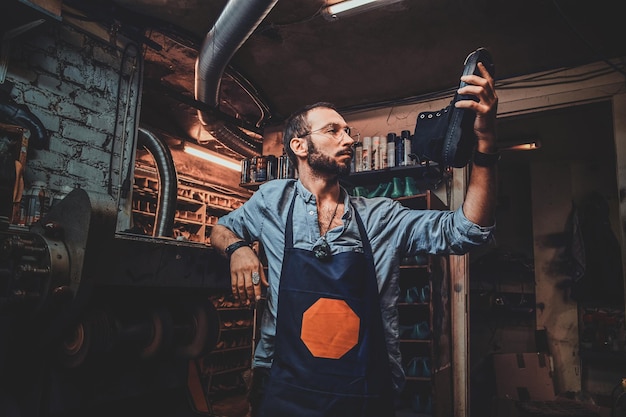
[[322, 250]]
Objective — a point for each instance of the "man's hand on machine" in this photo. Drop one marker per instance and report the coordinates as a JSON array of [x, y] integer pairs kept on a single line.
[[246, 275]]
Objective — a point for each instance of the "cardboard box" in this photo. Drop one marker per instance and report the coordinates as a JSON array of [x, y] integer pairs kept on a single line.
[[524, 376]]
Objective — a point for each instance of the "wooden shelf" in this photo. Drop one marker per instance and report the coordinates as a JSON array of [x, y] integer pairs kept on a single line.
[[413, 305], [197, 205], [222, 368], [232, 349], [426, 176], [230, 370]]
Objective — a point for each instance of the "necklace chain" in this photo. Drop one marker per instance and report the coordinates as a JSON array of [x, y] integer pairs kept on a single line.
[[331, 220]]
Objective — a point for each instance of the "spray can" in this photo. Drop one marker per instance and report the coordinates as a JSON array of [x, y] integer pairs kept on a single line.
[[375, 152], [285, 169], [399, 145], [391, 150], [382, 153], [367, 153], [406, 141], [252, 173], [261, 169], [245, 171], [272, 167], [358, 157]]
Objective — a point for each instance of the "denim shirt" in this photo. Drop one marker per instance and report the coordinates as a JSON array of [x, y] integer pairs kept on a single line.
[[394, 232]]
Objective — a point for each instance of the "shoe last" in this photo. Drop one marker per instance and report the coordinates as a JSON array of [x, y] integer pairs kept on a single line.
[[388, 190], [378, 191], [410, 187], [360, 191], [425, 294], [412, 295], [421, 331], [398, 189]]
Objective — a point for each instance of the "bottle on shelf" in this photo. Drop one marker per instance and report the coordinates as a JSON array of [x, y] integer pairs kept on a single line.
[[245, 171], [35, 202], [406, 148], [391, 150], [253, 170], [358, 157], [367, 153], [382, 153], [285, 168], [272, 167], [399, 146], [261, 169], [376, 152]]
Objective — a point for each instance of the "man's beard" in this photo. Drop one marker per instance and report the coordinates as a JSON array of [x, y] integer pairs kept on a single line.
[[323, 164]]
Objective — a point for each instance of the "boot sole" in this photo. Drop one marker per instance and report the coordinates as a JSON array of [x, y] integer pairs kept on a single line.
[[460, 139]]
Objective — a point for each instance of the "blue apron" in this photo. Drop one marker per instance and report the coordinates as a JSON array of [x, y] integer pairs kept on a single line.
[[330, 354]]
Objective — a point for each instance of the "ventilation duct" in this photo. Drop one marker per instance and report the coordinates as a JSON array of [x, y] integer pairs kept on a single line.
[[233, 27], [20, 115], [168, 182]]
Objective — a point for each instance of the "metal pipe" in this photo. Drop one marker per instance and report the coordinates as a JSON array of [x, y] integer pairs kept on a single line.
[[21, 116], [168, 182], [233, 27]]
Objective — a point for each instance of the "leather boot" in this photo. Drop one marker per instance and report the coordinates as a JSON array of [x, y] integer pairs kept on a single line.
[[447, 136]]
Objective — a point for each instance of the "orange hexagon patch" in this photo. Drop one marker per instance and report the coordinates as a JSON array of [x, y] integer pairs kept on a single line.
[[330, 328]]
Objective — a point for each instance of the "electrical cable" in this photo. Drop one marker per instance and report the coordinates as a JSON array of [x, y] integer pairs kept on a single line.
[[125, 56], [585, 41]]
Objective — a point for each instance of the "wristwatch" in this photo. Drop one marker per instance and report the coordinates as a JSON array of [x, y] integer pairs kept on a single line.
[[486, 159], [234, 246]]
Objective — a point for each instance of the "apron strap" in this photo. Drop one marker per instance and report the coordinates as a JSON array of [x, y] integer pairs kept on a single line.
[[289, 226], [367, 248]]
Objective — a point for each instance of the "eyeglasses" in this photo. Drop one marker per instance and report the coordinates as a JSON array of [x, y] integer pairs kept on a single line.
[[336, 131]]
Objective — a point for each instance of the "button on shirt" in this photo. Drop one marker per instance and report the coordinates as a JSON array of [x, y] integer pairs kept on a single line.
[[394, 232]]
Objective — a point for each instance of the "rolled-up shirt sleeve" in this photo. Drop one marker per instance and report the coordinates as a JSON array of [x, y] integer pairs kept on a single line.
[[430, 231], [444, 232]]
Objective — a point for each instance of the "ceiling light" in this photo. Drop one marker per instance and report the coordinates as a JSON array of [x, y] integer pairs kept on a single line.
[[351, 7], [212, 157]]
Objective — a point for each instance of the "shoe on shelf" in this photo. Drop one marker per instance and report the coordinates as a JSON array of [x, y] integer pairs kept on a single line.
[[447, 136]]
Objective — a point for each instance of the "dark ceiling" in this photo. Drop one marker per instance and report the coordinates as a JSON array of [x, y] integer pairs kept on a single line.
[[399, 53]]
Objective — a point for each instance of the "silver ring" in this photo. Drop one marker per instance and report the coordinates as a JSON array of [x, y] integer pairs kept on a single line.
[[256, 277]]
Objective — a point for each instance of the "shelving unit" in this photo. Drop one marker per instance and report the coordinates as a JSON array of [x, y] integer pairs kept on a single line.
[[424, 303], [220, 373], [198, 206], [428, 176], [222, 369], [425, 327]]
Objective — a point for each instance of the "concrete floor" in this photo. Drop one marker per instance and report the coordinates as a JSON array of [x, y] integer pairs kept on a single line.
[[233, 406], [237, 406]]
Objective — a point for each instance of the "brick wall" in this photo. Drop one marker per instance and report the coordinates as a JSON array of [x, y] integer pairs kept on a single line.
[[76, 87]]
